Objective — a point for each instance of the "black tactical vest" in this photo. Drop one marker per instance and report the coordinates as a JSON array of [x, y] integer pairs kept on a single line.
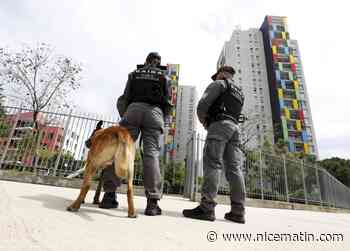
[[148, 85], [228, 105]]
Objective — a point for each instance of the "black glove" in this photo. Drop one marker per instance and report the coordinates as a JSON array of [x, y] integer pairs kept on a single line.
[[206, 123]]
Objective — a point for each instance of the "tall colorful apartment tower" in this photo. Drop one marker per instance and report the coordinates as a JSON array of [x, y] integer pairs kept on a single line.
[[173, 71], [291, 112]]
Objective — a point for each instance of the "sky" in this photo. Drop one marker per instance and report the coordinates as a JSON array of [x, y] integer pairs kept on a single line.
[[109, 37]]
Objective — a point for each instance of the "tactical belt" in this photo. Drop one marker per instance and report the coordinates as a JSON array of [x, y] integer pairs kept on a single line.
[[222, 116]]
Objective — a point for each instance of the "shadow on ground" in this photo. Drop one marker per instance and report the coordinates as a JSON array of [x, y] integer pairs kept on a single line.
[[60, 204]]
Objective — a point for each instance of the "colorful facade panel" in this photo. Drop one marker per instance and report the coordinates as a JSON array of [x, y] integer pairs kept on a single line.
[[285, 84], [170, 123]]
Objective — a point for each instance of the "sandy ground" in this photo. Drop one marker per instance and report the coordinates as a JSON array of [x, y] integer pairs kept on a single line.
[[33, 217]]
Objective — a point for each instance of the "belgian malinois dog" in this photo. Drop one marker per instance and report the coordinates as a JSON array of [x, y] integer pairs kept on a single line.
[[112, 143]]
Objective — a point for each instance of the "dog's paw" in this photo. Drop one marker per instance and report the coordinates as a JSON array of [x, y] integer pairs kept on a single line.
[[72, 209]]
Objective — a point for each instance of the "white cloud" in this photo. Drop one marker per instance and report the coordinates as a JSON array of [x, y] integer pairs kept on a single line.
[[111, 37]]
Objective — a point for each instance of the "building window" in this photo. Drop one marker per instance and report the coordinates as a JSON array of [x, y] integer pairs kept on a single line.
[[284, 75], [278, 35], [50, 136], [303, 104], [280, 28]]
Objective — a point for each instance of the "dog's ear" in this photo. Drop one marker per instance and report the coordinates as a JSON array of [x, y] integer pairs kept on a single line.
[[88, 143], [99, 124]]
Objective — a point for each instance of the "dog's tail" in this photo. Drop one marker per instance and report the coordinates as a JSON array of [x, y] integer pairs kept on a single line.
[[131, 158]]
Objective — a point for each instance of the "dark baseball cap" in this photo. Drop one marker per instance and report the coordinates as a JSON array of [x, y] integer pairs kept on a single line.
[[153, 55], [226, 68]]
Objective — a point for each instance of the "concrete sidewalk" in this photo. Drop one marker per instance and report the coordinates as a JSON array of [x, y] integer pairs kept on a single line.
[[34, 217]]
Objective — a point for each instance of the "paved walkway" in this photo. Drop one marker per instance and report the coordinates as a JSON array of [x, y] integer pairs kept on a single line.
[[33, 217]]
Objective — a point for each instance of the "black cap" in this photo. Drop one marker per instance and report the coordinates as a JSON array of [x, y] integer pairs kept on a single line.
[[152, 55], [225, 68]]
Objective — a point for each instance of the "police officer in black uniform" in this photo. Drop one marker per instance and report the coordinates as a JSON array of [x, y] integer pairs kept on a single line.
[[143, 108], [219, 111]]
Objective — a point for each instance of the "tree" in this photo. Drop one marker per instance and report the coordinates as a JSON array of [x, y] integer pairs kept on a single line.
[[37, 77], [252, 130], [4, 125], [339, 168], [280, 147], [174, 175], [138, 167], [2, 111]]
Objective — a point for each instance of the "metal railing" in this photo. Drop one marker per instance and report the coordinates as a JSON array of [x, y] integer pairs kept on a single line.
[[56, 147], [271, 177]]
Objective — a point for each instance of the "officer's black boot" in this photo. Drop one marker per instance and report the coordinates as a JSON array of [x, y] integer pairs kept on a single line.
[[235, 217], [109, 201], [199, 214], [152, 208]]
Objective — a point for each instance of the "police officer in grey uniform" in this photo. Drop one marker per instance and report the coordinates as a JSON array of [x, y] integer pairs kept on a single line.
[[219, 111], [143, 108]]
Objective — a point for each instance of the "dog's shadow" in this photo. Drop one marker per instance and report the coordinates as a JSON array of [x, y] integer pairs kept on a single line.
[[60, 203]]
